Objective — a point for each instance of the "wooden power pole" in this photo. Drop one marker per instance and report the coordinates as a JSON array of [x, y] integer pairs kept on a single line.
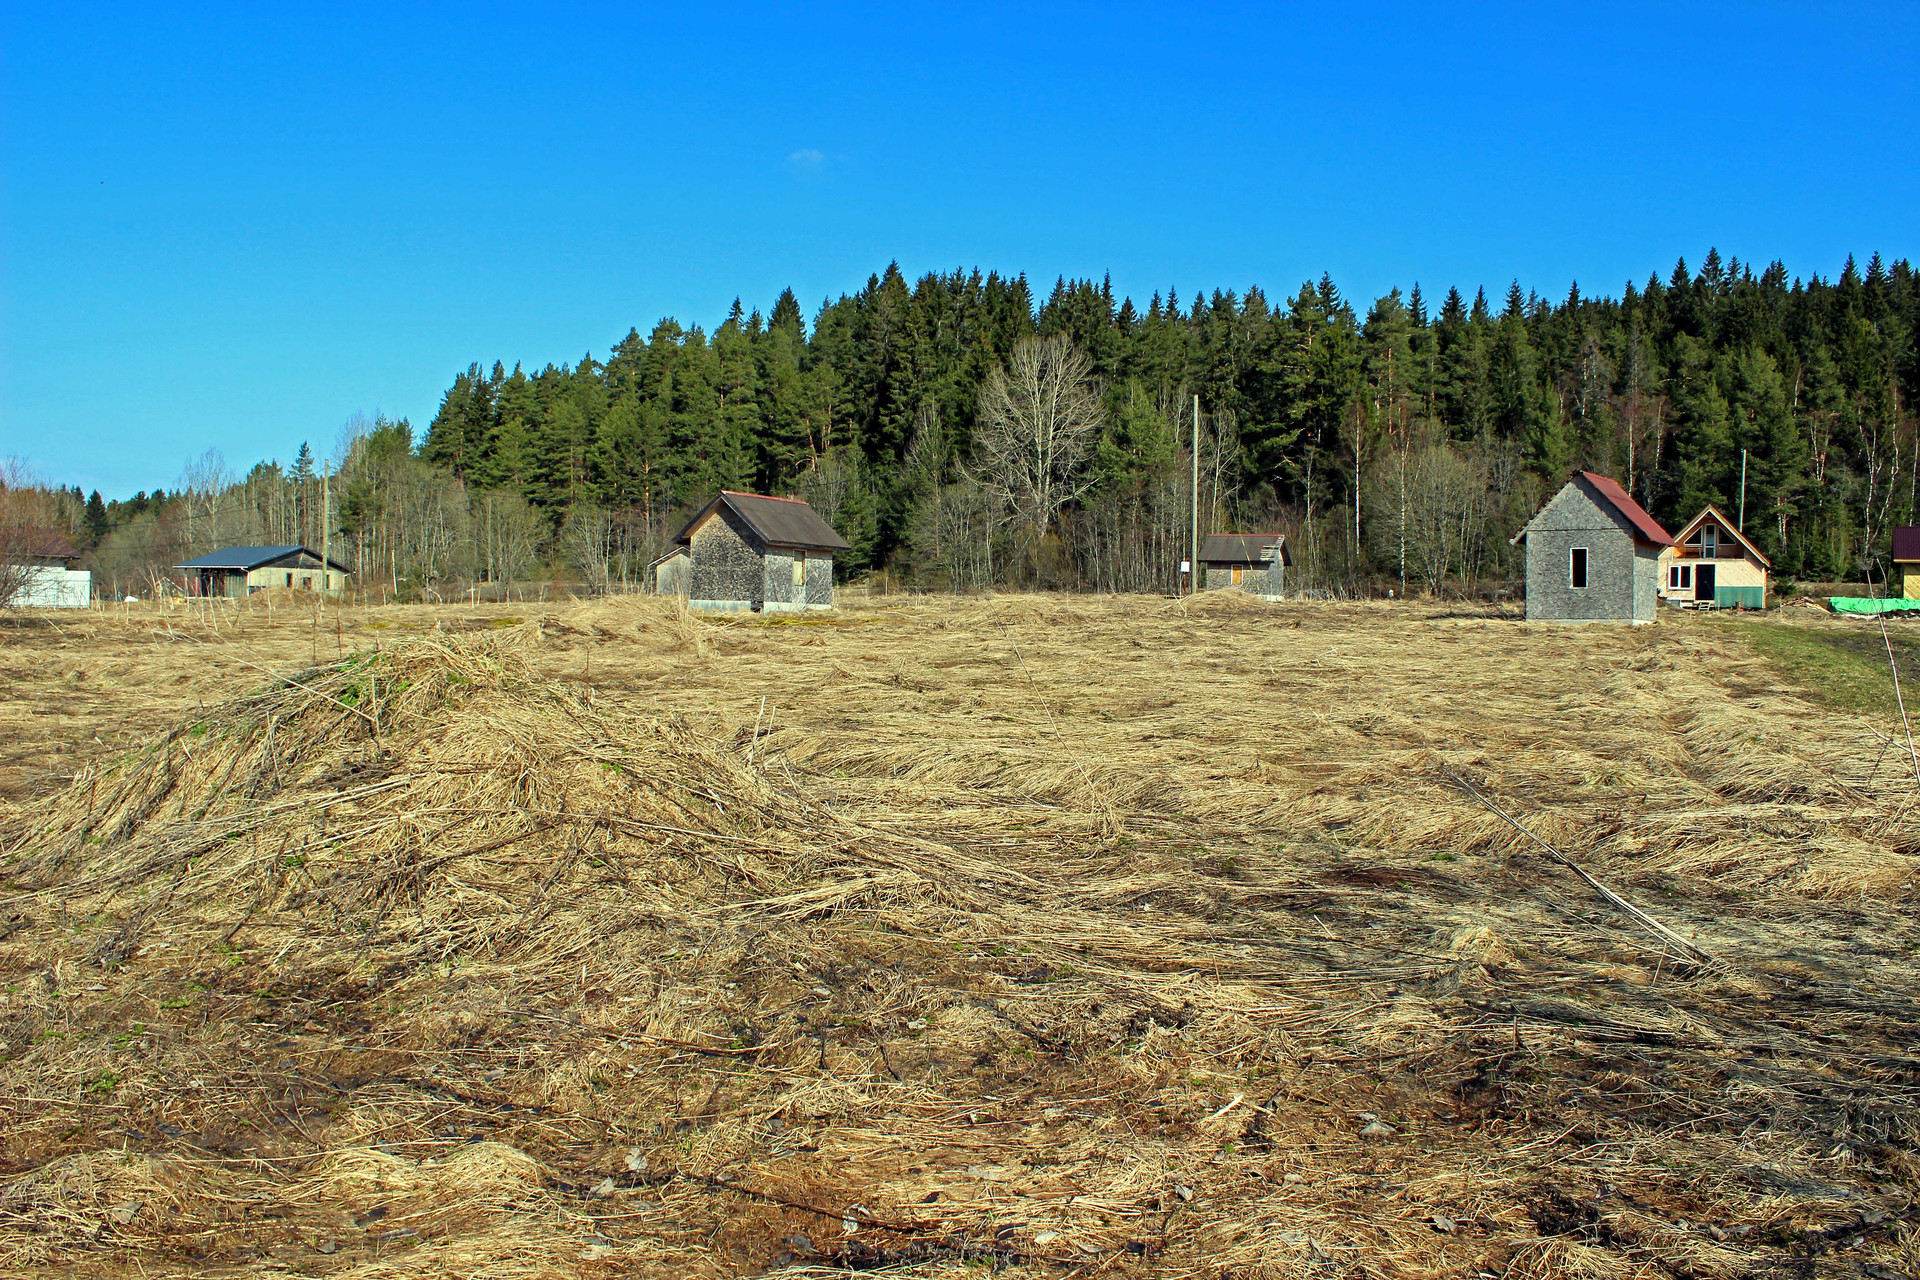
[[1193, 565], [326, 530]]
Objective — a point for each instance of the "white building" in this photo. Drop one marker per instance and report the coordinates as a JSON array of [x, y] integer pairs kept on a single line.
[[39, 570]]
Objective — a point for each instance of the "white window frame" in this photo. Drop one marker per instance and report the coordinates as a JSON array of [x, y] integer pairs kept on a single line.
[[1586, 566]]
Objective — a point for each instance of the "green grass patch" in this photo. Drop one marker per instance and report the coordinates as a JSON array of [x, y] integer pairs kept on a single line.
[[1843, 670]]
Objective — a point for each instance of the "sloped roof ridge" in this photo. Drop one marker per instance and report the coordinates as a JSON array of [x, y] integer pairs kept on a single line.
[[803, 528], [769, 497], [1623, 503], [1714, 510]]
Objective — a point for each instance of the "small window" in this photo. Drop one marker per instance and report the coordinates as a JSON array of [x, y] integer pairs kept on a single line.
[[1577, 568]]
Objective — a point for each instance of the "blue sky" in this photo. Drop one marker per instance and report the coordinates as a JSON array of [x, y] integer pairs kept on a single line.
[[237, 227]]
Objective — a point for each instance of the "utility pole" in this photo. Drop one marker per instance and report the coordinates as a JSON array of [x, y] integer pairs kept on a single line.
[[1193, 565], [326, 530], [1743, 491]]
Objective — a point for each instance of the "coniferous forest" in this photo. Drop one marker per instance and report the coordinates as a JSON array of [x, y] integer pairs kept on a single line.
[[1399, 443]]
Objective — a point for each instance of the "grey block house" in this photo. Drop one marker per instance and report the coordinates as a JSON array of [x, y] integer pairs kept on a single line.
[[1593, 555], [747, 551], [1254, 562]]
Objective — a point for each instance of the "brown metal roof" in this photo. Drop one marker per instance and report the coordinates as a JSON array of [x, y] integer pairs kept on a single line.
[[1244, 548], [1636, 514], [40, 544], [778, 522], [1906, 542], [1720, 518]]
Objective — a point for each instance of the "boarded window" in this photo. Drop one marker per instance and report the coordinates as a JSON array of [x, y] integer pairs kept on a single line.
[[1577, 568], [1236, 576], [800, 569]]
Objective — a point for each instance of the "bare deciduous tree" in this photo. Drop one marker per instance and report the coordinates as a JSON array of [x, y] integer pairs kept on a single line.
[[1039, 416], [206, 484], [1432, 506], [588, 538], [827, 481], [18, 531]]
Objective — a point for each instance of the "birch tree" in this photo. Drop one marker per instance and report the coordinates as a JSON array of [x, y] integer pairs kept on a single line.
[[1039, 417]]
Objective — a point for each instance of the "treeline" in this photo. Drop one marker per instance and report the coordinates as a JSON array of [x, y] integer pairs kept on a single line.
[[1404, 442]]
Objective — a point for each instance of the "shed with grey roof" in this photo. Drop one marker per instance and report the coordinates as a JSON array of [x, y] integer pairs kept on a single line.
[[1254, 562], [749, 551], [1593, 555], [241, 571]]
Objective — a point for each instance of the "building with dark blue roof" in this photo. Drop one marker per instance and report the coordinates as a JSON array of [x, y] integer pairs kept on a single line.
[[240, 571]]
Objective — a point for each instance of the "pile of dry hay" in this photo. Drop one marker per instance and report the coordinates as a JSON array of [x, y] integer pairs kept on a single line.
[[419, 963]]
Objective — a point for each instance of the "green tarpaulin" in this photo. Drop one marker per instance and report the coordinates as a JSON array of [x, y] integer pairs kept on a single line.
[[1859, 604]]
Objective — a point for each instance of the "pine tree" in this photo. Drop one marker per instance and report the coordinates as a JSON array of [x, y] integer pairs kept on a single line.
[[1704, 450]]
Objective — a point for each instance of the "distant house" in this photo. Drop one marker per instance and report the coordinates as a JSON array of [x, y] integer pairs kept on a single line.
[[1254, 562], [1593, 555], [1906, 560], [241, 571], [36, 572], [749, 551], [1712, 562]]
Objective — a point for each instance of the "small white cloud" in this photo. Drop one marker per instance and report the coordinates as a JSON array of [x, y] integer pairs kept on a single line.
[[807, 165]]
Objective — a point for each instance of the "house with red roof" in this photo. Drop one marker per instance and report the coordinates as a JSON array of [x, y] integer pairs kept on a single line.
[[1906, 560], [1593, 555]]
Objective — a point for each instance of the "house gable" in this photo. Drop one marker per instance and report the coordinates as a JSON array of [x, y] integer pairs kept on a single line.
[[1588, 560], [1578, 507], [729, 562], [1725, 530]]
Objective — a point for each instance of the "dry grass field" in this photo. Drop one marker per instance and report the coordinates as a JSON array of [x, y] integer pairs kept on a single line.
[[1036, 936]]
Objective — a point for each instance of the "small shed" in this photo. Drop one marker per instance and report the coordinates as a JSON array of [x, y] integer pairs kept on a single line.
[[673, 573], [1254, 562], [1593, 555], [240, 571], [1906, 560], [36, 571], [749, 551], [1712, 563]]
